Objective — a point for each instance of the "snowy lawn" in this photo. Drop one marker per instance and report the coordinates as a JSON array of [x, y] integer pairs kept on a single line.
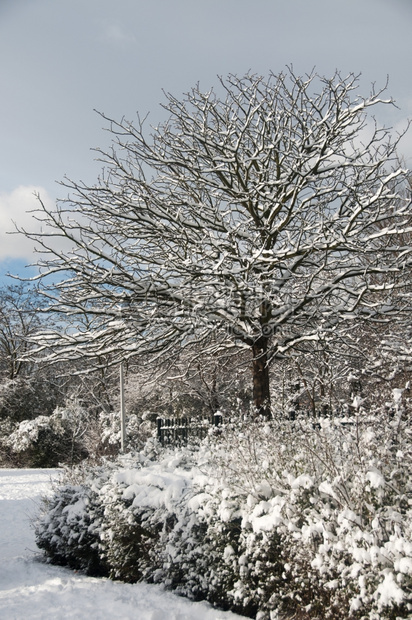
[[31, 589]]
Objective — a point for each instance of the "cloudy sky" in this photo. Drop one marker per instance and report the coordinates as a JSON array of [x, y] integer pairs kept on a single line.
[[62, 59]]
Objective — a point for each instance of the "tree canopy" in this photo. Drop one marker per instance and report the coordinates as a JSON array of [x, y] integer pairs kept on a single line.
[[257, 215]]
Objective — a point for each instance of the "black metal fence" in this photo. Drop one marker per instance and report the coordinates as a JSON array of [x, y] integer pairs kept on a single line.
[[174, 431]]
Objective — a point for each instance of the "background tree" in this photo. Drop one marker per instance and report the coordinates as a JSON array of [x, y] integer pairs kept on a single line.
[[26, 389], [19, 319], [250, 218], [29, 389]]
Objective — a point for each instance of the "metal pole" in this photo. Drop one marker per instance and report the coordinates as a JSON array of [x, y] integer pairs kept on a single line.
[[122, 409]]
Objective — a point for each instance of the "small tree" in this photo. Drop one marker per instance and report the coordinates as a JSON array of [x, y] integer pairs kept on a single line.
[[250, 218]]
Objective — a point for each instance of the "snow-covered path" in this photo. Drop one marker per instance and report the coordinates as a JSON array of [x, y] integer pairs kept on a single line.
[[32, 590]]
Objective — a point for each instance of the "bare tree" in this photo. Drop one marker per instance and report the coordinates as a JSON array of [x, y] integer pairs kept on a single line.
[[19, 319], [250, 218]]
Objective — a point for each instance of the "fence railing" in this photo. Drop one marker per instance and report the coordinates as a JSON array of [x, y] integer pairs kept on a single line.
[[172, 431]]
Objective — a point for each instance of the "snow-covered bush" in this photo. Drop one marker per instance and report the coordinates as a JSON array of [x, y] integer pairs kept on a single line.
[[338, 504], [46, 441], [138, 431], [138, 506], [37, 443], [70, 525], [282, 519]]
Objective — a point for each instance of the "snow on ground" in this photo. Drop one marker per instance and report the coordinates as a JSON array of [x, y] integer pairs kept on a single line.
[[33, 590]]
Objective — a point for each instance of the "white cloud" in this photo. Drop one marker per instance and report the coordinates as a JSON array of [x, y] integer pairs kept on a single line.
[[16, 209]]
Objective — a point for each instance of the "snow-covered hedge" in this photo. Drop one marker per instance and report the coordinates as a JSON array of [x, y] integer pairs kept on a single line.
[[269, 520]]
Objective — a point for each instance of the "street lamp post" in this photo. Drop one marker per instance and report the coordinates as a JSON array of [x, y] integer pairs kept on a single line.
[[122, 410]]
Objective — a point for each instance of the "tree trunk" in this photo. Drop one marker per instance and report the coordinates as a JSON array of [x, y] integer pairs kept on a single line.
[[260, 371]]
